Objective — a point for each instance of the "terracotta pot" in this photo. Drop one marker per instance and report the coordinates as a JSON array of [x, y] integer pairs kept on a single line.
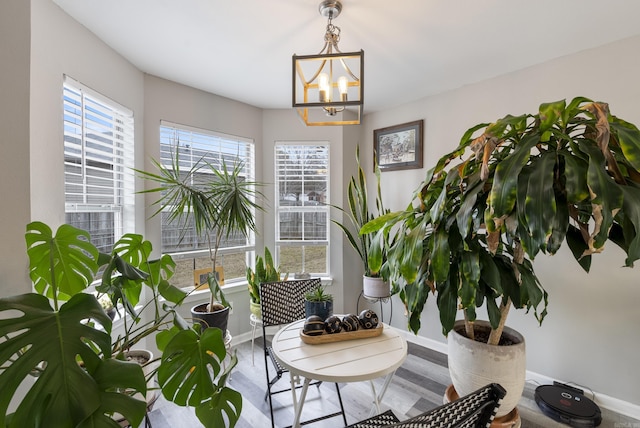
[[376, 288], [473, 365], [218, 319]]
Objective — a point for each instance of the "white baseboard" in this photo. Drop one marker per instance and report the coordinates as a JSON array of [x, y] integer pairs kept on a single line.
[[610, 403]]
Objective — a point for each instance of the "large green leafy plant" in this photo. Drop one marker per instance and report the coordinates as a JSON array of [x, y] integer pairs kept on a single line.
[[521, 186], [60, 338]]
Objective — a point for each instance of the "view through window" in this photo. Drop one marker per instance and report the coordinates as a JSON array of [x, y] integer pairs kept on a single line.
[[302, 210]]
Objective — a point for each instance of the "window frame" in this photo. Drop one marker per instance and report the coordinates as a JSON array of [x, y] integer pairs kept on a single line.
[[98, 133], [322, 207], [249, 159]]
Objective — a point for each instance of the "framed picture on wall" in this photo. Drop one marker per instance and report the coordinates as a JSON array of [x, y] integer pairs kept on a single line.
[[400, 146]]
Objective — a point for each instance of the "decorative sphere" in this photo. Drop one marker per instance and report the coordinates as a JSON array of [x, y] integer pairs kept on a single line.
[[313, 326], [368, 319], [350, 322], [332, 325]]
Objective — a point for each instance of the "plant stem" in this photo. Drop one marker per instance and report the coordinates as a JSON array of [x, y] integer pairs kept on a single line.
[[496, 334], [468, 327]]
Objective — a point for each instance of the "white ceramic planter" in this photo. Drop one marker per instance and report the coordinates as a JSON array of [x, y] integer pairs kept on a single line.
[[375, 288], [473, 365]]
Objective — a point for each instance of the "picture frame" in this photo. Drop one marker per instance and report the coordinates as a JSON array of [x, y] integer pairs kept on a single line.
[[399, 146], [200, 277]]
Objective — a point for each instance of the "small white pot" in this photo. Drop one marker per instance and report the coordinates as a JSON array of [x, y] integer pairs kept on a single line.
[[376, 288], [473, 365]]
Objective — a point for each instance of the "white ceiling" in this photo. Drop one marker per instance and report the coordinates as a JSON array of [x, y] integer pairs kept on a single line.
[[241, 49]]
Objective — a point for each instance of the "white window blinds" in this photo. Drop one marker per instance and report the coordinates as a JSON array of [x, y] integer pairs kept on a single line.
[[98, 161]]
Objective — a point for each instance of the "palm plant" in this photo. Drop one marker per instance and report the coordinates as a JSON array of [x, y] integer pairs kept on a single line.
[[523, 186], [60, 337], [218, 201]]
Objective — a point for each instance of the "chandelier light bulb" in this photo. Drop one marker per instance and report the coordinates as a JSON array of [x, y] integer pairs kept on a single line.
[[343, 86], [324, 87]]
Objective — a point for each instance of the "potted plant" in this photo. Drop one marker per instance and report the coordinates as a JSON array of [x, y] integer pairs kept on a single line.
[[523, 185], [369, 247], [266, 271], [318, 302], [57, 339], [218, 202]]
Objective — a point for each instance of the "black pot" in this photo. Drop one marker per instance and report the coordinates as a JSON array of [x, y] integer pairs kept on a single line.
[[323, 309], [218, 319]]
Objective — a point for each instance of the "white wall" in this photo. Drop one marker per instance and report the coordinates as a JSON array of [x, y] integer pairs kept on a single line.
[[591, 333], [15, 28]]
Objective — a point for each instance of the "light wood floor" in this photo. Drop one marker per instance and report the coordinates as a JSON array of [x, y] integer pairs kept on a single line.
[[417, 386]]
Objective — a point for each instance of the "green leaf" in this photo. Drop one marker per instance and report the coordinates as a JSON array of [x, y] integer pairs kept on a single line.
[[464, 215], [549, 114], [170, 292], [225, 401], [629, 138], [64, 394], [489, 272], [64, 263], [376, 252], [559, 224], [440, 255], [540, 204], [184, 374], [578, 246], [503, 190], [606, 195], [412, 254], [632, 235], [575, 173], [447, 298], [469, 277], [494, 313], [113, 376]]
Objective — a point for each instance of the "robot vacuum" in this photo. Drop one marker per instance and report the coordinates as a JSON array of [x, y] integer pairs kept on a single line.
[[566, 404]]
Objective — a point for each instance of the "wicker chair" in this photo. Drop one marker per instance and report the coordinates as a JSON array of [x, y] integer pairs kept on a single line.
[[283, 303], [476, 410]]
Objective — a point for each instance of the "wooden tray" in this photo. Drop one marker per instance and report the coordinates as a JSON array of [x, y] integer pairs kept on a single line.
[[339, 337]]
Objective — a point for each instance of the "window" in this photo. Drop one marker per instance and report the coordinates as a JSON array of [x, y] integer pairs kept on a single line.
[[98, 162], [302, 210], [189, 250]]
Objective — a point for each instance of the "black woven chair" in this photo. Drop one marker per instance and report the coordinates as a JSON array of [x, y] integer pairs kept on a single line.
[[283, 303], [476, 410]]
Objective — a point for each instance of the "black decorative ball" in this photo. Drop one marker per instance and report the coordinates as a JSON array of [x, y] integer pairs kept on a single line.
[[368, 319], [332, 325], [350, 322], [313, 326]]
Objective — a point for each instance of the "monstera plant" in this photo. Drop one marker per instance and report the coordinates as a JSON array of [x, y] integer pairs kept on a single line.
[[512, 189], [59, 338]]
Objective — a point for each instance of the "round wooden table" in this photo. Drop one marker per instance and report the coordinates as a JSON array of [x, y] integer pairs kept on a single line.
[[353, 360]]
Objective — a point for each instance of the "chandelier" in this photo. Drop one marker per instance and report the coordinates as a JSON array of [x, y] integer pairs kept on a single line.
[[328, 87]]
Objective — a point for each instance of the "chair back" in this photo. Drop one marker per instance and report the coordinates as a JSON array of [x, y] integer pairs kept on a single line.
[[282, 302], [475, 410]]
